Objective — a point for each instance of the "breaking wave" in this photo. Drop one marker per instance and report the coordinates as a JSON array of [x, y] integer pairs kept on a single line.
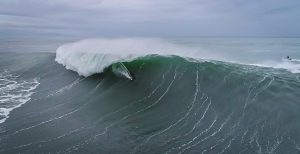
[[174, 105], [91, 56]]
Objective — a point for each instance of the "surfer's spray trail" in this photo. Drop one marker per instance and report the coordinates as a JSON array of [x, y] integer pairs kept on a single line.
[[177, 102]]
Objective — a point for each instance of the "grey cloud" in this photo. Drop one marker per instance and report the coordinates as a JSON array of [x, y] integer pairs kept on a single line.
[[150, 18]]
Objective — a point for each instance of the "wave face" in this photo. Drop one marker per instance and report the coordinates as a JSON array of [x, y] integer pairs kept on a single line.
[[91, 56], [174, 105]]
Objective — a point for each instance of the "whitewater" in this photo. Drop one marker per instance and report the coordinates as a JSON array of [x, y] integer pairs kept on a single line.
[[150, 95], [91, 56]]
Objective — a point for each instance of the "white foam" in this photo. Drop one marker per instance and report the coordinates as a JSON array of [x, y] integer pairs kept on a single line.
[[14, 93], [289, 65], [91, 56]]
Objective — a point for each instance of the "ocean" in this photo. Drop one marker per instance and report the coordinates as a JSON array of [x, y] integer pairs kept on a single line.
[[150, 95]]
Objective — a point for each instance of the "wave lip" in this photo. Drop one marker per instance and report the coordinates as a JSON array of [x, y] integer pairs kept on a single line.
[[87, 57], [91, 56]]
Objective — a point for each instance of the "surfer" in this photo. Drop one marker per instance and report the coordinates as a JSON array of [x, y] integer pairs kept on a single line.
[[120, 70], [288, 58]]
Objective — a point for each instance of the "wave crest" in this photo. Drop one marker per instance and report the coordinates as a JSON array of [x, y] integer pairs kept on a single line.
[[91, 56]]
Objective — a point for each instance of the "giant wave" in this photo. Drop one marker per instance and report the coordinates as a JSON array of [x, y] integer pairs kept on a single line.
[[91, 56], [174, 105]]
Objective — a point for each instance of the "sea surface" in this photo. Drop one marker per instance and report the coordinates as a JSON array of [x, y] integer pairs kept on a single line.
[[149, 95]]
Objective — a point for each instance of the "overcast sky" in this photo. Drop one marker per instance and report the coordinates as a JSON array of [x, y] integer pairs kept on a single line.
[[151, 18]]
